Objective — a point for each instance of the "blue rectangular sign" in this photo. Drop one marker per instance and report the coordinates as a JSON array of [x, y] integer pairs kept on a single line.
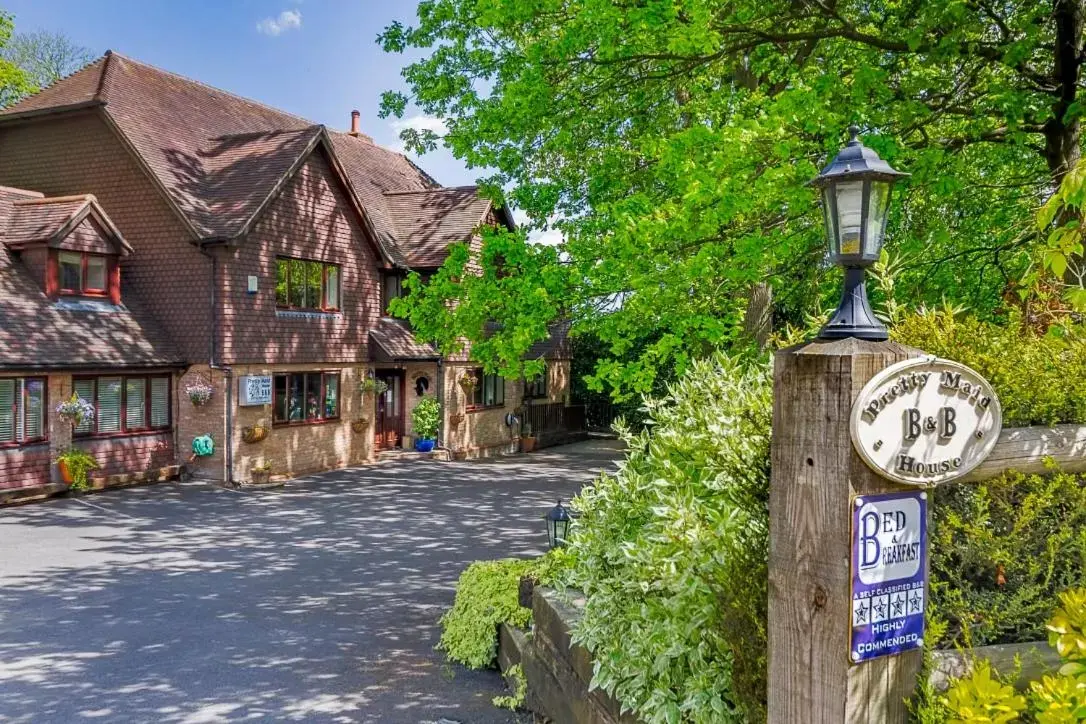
[[889, 574]]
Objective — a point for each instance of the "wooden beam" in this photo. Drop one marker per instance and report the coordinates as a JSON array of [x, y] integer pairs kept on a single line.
[[815, 473], [1025, 449]]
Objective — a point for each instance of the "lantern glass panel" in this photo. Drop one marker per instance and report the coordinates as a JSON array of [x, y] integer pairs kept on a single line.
[[849, 197], [877, 211], [830, 219]]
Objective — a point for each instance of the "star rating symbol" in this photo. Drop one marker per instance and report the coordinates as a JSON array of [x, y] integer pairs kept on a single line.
[[914, 602], [880, 609], [898, 607]]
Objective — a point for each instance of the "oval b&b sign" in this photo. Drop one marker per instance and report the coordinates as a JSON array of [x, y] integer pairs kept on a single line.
[[925, 421]]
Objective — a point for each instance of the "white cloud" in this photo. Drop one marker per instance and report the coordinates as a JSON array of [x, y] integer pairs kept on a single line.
[[421, 123], [550, 237], [287, 20]]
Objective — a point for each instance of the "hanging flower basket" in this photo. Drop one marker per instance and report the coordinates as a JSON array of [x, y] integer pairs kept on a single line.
[[75, 410], [456, 420], [254, 433], [376, 386], [468, 382], [360, 425], [199, 392]]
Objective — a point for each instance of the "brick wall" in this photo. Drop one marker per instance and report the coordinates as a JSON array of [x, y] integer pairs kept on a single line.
[[208, 419], [481, 433], [25, 467], [79, 154], [134, 454], [299, 449], [312, 219], [414, 372]]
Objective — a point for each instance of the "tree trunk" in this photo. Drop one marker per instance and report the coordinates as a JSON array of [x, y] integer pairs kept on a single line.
[[1063, 135]]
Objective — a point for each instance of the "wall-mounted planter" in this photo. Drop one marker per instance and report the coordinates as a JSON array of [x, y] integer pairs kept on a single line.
[[254, 433], [359, 426], [456, 420]]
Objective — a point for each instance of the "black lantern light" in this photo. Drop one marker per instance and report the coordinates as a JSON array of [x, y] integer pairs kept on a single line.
[[856, 188], [558, 522]]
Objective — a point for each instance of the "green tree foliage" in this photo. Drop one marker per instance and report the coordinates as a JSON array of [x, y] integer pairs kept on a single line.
[[670, 143], [671, 552], [15, 83], [46, 57]]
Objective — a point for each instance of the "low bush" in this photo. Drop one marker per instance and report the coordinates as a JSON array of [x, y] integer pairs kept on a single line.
[[671, 552], [1000, 553], [1054, 699], [487, 594], [1040, 379]]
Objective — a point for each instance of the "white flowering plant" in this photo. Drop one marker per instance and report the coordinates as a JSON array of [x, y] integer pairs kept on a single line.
[[199, 392]]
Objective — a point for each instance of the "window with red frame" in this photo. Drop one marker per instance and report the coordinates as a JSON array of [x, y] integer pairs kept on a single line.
[[125, 404], [305, 397], [306, 285], [83, 273], [22, 410]]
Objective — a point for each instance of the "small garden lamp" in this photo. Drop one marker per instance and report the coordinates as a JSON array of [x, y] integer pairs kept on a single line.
[[856, 189], [558, 522]]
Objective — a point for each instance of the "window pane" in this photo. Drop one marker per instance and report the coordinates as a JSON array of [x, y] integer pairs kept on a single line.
[[849, 207], [488, 389], [313, 272], [85, 390], [313, 396], [34, 409], [280, 398], [499, 390], [876, 214], [160, 402], [296, 404], [297, 283], [331, 396], [109, 404], [331, 287], [96, 273], [71, 271], [135, 403], [281, 282], [7, 410], [393, 289]]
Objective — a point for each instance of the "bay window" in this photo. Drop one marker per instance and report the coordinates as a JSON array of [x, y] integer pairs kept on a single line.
[[22, 410], [124, 404], [490, 392], [301, 397], [306, 285]]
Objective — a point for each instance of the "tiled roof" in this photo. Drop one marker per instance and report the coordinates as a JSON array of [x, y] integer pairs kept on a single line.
[[220, 157], [396, 342], [30, 220], [428, 221], [555, 346], [37, 332]]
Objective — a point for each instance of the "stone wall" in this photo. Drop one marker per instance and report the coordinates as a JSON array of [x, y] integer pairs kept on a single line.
[[558, 671]]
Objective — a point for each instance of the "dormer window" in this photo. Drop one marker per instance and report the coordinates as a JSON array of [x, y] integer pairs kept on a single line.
[[82, 273]]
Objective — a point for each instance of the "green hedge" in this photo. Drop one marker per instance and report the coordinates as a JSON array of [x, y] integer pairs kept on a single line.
[[1040, 379]]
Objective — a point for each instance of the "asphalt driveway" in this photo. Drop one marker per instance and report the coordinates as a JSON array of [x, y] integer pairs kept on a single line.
[[319, 601]]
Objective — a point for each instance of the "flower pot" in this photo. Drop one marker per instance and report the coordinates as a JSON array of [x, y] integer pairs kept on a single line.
[[261, 477], [424, 446], [253, 434], [65, 474], [527, 444]]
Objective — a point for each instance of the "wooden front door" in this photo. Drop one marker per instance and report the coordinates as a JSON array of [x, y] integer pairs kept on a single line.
[[388, 418]]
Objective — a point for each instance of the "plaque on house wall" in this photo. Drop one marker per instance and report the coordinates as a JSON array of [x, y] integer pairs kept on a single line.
[[925, 421], [255, 390]]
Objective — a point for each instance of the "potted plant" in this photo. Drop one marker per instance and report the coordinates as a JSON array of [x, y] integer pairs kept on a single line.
[[425, 419], [261, 474], [527, 439], [199, 392], [75, 410], [75, 465], [360, 425], [254, 433]]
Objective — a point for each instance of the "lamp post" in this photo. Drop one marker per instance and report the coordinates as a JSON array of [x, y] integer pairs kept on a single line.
[[558, 522], [856, 188]]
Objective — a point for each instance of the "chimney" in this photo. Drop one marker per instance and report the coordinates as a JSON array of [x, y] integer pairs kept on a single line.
[[354, 122]]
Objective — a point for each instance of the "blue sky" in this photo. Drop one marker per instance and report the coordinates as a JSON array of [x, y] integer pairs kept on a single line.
[[315, 58]]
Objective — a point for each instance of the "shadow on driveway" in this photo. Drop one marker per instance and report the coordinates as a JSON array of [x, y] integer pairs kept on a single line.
[[318, 602]]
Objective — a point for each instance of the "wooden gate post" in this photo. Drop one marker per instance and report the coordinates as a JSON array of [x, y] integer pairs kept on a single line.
[[815, 472]]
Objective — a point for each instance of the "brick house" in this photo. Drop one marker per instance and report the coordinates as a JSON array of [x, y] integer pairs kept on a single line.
[[158, 232]]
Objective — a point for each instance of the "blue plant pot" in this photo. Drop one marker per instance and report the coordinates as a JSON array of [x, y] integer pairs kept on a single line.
[[424, 445]]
